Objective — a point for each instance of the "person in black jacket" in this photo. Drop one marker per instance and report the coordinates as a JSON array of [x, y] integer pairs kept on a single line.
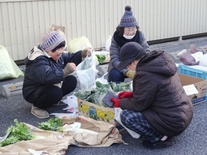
[[47, 77], [158, 107]]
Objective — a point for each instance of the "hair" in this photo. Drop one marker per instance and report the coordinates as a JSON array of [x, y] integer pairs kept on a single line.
[[62, 44], [120, 30]]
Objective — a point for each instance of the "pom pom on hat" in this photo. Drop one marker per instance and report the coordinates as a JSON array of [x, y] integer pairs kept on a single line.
[[128, 20], [128, 8], [51, 40]]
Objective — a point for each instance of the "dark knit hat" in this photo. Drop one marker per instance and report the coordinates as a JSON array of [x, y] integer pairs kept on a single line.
[[130, 52], [128, 20], [51, 40]]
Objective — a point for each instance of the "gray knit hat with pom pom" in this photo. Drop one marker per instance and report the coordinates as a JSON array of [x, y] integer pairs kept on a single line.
[[51, 40], [128, 20]]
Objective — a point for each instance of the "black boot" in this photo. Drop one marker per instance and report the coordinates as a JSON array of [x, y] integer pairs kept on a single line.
[[157, 145]]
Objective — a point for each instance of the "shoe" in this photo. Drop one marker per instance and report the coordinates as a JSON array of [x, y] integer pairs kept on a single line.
[[157, 145], [60, 103], [39, 113]]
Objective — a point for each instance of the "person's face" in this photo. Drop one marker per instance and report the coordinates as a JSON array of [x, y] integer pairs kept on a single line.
[[132, 65], [56, 54], [130, 31]]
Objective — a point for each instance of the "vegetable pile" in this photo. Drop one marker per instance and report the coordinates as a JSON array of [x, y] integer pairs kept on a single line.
[[16, 133], [101, 58], [54, 124], [96, 95]]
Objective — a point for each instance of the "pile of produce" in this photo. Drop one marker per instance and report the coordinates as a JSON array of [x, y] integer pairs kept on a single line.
[[101, 58], [20, 131], [17, 132], [53, 124], [97, 94]]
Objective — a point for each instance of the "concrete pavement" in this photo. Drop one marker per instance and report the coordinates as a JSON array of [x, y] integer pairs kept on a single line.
[[191, 142]]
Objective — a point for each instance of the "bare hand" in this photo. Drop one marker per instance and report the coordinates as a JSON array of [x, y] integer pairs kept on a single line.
[[73, 66], [88, 51]]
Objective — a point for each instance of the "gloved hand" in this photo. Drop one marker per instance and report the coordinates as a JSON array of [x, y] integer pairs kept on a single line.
[[130, 74], [69, 68], [125, 94], [115, 101], [86, 52]]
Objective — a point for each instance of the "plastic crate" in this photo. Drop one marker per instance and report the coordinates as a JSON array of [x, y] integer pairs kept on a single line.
[[195, 71]]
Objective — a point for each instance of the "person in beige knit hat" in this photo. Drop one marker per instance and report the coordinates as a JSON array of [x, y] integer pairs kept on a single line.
[[47, 77]]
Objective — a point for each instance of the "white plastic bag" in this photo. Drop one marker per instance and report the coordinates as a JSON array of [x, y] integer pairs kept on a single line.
[[8, 67], [103, 79], [203, 60], [72, 103], [87, 77]]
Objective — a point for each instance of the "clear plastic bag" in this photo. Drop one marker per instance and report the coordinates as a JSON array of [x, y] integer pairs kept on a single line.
[[87, 75], [8, 67], [191, 56], [103, 79]]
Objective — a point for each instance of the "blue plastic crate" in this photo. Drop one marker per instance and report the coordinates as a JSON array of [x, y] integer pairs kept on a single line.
[[193, 71]]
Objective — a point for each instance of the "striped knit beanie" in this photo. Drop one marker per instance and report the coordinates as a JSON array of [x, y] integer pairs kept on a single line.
[[51, 40], [128, 20]]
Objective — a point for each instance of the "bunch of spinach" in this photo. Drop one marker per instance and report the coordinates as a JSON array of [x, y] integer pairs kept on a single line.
[[54, 124], [117, 87], [16, 133], [101, 58], [97, 94]]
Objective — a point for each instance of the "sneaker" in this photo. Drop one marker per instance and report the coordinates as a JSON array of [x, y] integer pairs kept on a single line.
[[39, 113], [157, 145]]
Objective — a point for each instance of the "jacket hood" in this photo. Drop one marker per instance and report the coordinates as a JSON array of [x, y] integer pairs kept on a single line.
[[158, 62], [35, 53]]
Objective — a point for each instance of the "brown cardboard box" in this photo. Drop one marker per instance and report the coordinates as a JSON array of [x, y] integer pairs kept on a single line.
[[96, 112], [107, 114], [201, 86]]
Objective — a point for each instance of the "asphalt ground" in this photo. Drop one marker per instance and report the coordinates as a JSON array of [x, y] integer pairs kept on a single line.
[[191, 142]]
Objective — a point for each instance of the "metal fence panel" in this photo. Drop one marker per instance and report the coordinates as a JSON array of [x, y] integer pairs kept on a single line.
[[24, 22]]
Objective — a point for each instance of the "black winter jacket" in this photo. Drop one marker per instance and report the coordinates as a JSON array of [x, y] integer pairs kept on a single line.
[[42, 70]]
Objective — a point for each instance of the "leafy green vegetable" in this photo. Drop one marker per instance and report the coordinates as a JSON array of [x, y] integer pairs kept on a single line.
[[117, 87], [54, 124], [102, 87], [96, 95], [84, 95], [17, 133], [9, 140], [101, 58]]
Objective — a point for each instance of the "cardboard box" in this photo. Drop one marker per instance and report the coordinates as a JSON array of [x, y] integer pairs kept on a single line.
[[107, 114], [96, 112], [200, 85]]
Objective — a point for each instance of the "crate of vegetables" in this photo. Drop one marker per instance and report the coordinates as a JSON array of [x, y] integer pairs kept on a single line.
[[90, 102]]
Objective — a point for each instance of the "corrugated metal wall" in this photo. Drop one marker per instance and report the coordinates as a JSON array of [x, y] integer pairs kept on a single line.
[[24, 22]]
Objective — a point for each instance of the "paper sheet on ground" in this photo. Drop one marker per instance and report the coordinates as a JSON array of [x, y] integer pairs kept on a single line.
[[190, 89], [117, 118]]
